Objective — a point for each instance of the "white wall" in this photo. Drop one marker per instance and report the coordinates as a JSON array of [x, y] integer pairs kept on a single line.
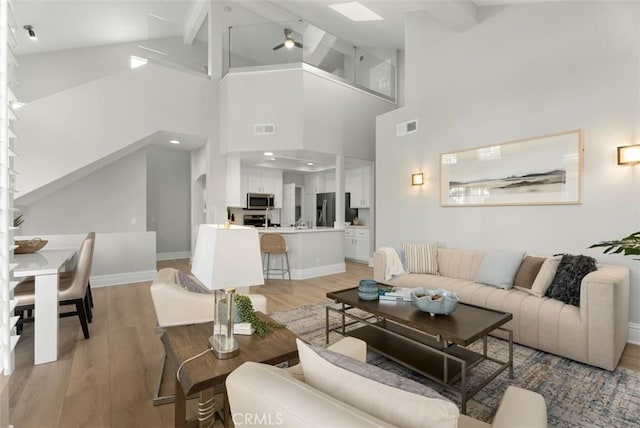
[[105, 201], [169, 200], [258, 98], [44, 74], [64, 132], [293, 177], [309, 112], [339, 119], [523, 71]]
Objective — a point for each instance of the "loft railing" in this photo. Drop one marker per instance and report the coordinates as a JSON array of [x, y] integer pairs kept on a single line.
[[252, 46], [165, 45]]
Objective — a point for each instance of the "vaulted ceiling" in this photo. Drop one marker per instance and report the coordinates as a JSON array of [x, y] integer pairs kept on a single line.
[[68, 24]]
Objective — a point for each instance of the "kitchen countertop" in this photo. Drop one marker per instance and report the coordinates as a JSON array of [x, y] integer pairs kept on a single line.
[[291, 230]]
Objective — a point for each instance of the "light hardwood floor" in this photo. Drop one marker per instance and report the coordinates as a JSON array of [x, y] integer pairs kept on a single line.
[[109, 379]]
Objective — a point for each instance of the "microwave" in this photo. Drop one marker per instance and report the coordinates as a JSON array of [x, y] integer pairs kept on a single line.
[[260, 201]]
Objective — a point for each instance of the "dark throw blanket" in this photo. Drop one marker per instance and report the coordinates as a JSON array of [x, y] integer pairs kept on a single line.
[[566, 284]]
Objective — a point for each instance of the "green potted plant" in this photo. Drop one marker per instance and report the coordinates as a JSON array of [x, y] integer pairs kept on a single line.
[[245, 312], [628, 246]]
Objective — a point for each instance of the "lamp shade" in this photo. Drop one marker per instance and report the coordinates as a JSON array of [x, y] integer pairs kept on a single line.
[[226, 258]]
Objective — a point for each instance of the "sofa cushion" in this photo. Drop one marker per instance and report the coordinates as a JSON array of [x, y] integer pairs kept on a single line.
[[545, 276], [566, 282], [499, 268], [377, 394], [421, 258], [190, 283], [527, 272]]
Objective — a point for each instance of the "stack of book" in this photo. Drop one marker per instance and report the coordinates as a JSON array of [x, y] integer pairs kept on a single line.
[[395, 294], [240, 328]]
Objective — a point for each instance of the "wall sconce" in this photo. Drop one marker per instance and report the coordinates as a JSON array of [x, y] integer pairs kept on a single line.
[[629, 155], [417, 179]]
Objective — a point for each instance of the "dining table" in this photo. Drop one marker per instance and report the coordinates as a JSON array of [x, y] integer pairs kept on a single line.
[[45, 265]]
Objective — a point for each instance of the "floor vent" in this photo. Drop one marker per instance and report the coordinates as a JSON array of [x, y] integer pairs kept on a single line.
[[264, 129], [407, 128]]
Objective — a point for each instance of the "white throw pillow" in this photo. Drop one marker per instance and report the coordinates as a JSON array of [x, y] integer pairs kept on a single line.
[[545, 276], [499, 268], [392, 405], [421, 258]]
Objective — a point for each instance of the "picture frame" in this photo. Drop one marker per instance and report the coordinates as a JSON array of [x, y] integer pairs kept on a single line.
[[543, 170]]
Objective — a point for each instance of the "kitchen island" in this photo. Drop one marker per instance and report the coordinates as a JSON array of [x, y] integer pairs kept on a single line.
[[312, 252]]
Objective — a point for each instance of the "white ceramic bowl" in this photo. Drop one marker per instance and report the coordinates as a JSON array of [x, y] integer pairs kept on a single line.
[[435, 302]]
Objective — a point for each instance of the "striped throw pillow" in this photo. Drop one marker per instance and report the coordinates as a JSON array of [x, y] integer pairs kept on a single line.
[[421, 258]]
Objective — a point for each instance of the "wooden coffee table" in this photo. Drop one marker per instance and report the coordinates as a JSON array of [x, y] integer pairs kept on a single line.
[[433, 346], [206, 372]]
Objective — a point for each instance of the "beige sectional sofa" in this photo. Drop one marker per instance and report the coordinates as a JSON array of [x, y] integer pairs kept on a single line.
[[594, 333]]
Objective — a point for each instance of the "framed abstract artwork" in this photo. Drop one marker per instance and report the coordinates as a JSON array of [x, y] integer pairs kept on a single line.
[[541, 170]]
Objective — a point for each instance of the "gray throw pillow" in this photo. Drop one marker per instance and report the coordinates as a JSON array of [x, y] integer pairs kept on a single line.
[[191, 284], [499, 268], [400, 250], [377, 374]]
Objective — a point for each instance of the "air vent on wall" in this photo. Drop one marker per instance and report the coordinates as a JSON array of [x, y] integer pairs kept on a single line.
[[264, 129], [407, 128]]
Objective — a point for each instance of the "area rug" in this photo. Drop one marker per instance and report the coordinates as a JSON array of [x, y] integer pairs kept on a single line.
[[577, 395]]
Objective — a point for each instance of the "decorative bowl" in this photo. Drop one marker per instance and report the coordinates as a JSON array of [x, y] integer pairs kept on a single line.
[[368, 289], [434, 301], [30, 246]]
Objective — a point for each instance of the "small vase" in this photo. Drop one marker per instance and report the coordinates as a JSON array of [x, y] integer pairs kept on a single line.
[[368, 289]]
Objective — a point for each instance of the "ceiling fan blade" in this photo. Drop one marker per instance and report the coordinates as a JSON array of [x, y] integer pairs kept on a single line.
[[281, 45], [298, 45]]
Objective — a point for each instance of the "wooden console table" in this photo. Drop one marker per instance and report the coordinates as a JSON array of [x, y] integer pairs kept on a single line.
[[206, 372]]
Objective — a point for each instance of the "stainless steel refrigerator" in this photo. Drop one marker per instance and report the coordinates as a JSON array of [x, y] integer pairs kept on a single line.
[[326, 209]]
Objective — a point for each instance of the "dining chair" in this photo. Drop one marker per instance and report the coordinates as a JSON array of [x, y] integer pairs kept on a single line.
[[71, 291], [66, 275], [27, 286]]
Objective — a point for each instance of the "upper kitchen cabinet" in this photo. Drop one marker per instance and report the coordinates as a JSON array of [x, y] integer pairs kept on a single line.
[[320, 182], [357, 181], [263, 180]]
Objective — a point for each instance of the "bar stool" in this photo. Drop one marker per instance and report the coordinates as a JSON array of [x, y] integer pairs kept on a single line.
[[273, 243]]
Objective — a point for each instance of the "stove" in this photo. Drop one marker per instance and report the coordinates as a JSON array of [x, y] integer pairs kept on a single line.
[[253, 220]]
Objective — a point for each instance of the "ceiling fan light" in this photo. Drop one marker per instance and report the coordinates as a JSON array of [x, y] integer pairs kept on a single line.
[[289, 43]]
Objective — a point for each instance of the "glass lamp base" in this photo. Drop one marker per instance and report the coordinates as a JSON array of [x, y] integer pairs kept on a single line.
[[223, 346]]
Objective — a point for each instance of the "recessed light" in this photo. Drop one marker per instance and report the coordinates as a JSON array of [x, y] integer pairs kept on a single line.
[[268, 153], [356, 11], [310, 163], [174, 141], [136, 61]]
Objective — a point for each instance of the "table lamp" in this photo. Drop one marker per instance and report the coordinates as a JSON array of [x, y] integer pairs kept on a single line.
[[226, 257]]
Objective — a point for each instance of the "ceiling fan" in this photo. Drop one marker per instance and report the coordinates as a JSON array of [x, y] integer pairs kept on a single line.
[[289, 41]]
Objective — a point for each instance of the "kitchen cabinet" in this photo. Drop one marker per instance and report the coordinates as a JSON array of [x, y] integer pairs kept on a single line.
[[320, 182], [356, 244], [262, 180], [357, 181]]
